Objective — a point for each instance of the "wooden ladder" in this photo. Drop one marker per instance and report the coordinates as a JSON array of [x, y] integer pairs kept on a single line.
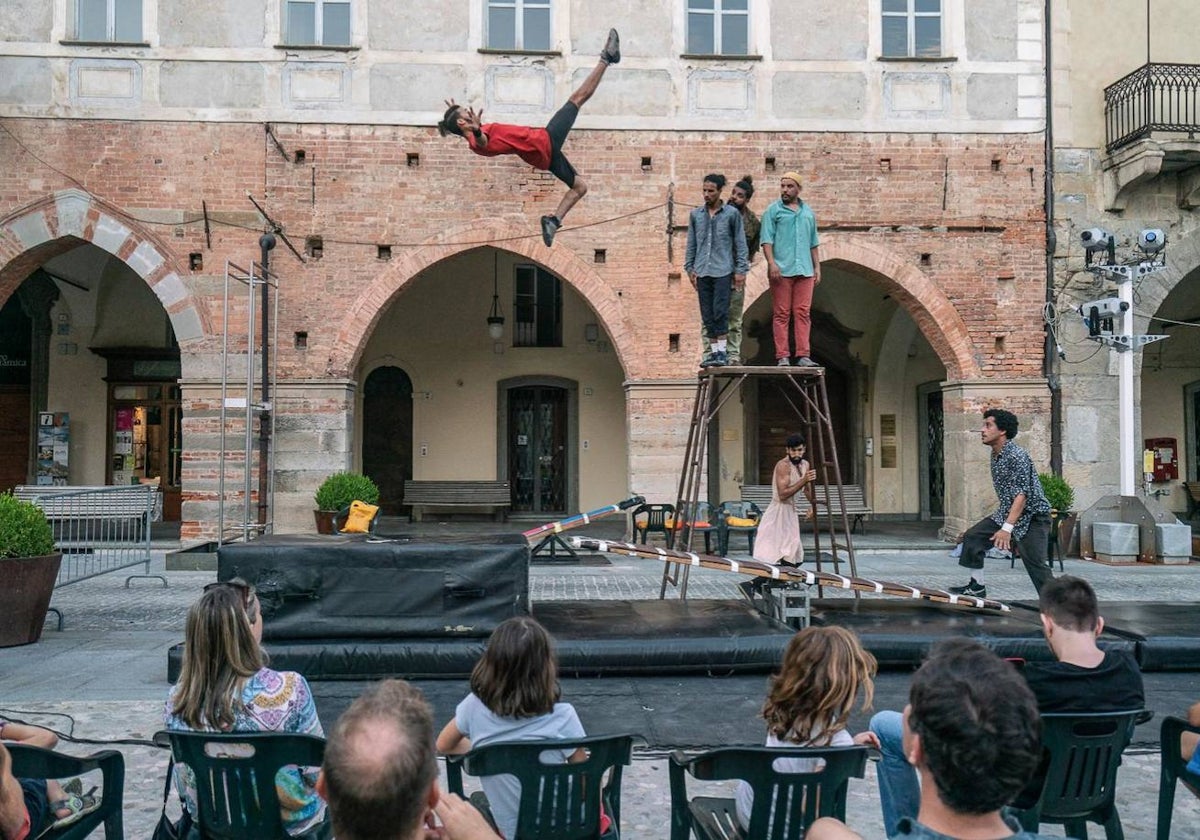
[[804, 390]]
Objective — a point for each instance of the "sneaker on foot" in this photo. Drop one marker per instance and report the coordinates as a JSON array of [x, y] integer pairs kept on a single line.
[[804, 361], [719, 359], [550, 226], [974, 589], [706, 359], [611, 54], [734, 360], [784, 362]]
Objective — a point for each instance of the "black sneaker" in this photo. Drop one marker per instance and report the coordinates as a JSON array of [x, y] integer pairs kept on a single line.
[[974, 589], [611, 54], [550, 226]]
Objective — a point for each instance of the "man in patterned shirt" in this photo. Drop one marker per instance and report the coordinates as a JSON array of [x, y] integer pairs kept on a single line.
[[1023, 515]]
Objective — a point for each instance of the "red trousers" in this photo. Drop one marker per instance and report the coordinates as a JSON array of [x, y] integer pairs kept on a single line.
[[791, 298]]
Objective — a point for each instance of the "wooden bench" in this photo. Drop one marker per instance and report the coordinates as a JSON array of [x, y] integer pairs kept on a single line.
[[1192, 489], [855, 501], [453, 495]]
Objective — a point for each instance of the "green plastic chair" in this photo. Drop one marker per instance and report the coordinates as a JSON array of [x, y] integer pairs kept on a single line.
[[785, 803], [36, 763], [738, 510], [559, 801], [1084, 752], [235, 788], [652, 519], [1174, 768], [704, 521]]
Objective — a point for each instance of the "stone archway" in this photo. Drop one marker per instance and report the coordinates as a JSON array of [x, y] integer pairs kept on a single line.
[[59, 222], [506, 234], [916, 293]]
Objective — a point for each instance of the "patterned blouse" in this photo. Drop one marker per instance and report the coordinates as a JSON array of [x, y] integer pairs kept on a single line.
[[271, 701], [1012, 475]]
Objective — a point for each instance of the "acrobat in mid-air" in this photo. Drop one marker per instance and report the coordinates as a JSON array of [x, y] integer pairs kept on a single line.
[[541, 148]]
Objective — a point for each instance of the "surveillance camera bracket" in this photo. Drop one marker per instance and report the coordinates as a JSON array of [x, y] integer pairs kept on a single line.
[[1126, 342], [1121, 273]]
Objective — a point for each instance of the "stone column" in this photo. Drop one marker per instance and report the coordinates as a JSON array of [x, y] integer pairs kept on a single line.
[[969, 493], [314, 422], [37, 296], [659, 415]]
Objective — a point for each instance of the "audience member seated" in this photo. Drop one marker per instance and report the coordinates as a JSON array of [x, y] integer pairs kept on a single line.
[[1188, 743], [1083, 678], [810, 700], [971, 731], [380, 773], [46, 802], [225, 686], [514, 697]]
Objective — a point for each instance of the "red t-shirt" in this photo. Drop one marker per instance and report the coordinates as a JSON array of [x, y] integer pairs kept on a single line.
[[531, 145]]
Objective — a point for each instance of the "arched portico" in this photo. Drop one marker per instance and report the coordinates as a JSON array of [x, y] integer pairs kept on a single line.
[[508, 234], [61, 221]]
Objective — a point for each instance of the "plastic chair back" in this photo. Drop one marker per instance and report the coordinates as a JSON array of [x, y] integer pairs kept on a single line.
[[235, 779], [652, 519], [36, 763], [1173, 769], [785, 803], [559, 801], [1084, 753]]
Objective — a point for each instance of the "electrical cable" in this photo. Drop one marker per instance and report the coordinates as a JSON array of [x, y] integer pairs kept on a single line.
[[10, 715]]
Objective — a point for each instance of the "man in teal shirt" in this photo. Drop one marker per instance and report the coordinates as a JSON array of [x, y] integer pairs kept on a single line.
[[789, 243]]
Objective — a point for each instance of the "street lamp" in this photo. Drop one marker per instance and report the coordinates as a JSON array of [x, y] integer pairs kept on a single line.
[[495, 320]]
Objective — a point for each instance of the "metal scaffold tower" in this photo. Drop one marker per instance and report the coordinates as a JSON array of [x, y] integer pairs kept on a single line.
[[804, 390], [245, 471]]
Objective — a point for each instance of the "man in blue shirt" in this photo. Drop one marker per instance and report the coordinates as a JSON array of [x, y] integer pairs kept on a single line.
[[789, 243], [1023, 516], [716, 263]]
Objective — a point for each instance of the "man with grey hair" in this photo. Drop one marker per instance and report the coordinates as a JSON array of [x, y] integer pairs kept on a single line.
[[380, 773]]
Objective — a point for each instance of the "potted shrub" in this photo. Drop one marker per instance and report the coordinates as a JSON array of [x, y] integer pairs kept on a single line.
[[28, 569], [1061, 496], [337, 492]]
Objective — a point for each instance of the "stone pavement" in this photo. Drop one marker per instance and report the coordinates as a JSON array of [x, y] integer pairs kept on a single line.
[[104, 675]]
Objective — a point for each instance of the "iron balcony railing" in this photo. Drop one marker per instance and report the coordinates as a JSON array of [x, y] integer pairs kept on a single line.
[[1154, 97]]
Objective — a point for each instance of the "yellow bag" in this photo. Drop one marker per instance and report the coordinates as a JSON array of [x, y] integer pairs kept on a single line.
[[360, 517], [738, 522]]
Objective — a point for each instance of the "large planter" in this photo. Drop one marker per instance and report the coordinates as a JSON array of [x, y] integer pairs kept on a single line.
[[1067, 532], [26, 584]]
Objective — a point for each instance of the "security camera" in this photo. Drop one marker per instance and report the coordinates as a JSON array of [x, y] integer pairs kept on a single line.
[[1151, 241], [1099, 314], [1095, 239], [1109, 307]]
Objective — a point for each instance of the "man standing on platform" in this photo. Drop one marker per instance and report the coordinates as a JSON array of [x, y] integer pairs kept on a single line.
[[1023, 515], [789, 242], [739, 198], [716, 263]]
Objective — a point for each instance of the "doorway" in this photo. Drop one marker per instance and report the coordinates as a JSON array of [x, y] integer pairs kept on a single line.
[[16, 346], [387, 455], [932, 428], [145, 430], [537, 435], [1191, 413]]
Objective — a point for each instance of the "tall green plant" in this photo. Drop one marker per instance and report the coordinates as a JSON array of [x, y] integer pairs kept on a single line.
[[340, 489], [24, 531], [1059, 493]]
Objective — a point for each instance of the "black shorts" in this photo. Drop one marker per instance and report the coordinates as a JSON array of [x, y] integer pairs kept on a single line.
[[558, 128]]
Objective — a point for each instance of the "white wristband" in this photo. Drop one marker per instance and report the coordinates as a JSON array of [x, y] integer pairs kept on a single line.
[[1006, 528]]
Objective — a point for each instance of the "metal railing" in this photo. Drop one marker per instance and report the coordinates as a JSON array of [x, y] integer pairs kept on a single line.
[[1154, 97], [97, 529]]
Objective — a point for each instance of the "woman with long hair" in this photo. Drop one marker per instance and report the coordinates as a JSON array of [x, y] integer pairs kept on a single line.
[[226, 686], [810, 699]]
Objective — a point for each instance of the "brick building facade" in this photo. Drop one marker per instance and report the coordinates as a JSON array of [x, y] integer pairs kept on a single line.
[[926, 178]]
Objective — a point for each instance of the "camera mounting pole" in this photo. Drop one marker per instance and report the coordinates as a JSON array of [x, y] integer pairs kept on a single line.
[[1125, 343]]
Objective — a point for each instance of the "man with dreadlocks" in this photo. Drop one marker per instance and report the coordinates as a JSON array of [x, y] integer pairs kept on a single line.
[[541, 148]]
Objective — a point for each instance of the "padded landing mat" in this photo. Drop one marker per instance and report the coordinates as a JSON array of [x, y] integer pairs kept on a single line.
[[1167, 635]]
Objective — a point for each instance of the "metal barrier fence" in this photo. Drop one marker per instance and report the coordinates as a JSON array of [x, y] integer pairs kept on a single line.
[[97, 529], [1154, 97]]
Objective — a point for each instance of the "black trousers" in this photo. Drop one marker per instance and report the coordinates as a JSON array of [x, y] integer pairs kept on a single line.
[[1033, 547]]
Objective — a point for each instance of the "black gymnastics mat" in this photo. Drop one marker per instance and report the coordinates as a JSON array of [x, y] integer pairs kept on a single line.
[[1167, 635]]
